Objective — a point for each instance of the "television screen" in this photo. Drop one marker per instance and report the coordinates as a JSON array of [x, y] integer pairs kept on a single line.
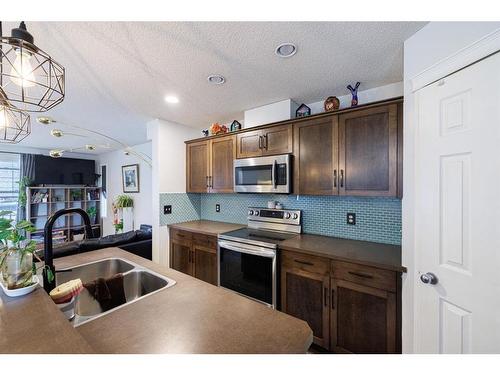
[[64, 171]]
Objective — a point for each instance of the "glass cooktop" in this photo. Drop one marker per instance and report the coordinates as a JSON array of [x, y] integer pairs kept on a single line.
[[257, 235]]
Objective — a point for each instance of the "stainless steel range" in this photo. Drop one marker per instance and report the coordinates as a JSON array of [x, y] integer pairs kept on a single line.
[[247, 257]]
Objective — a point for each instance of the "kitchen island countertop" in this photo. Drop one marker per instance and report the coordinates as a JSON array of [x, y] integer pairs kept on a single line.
[[190, 317]]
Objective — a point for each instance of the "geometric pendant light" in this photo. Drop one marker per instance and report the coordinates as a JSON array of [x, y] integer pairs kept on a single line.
[[30, 79], [14, 124]]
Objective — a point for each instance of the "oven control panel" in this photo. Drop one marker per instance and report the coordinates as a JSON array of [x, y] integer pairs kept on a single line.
[[274, 215]]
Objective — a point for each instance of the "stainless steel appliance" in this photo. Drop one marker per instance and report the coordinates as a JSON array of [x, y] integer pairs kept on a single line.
[[267, 174], [247, 257]]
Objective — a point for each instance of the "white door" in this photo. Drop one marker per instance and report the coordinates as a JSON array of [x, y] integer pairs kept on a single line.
[[457, 225]]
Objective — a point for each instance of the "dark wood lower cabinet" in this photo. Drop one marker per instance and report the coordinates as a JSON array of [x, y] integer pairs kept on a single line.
[[194, 255], [363, 319], [180, 256], [205, 264], [305, 296]]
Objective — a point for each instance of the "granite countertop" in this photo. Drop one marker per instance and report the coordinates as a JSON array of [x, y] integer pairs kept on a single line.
[[211, 228], [190, 317], [362, 252]]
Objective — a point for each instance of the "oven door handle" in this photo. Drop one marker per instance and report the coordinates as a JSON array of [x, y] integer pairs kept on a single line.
[[275, 184], [254, 250]]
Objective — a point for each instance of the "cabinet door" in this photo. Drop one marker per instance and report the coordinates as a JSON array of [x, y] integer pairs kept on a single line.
[[222, 155], [368, 152], [363, 319], [180, 257], [305, 296], [277, 140], [249, 144], [197, 167], [316, 159], [205, 264]]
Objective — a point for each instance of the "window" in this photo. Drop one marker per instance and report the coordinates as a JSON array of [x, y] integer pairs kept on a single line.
[[9, 182]]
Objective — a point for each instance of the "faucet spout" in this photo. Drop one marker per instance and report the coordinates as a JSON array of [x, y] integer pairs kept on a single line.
[[48, 249]]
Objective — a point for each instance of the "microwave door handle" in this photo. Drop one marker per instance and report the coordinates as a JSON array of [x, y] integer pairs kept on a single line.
[[273, 176]]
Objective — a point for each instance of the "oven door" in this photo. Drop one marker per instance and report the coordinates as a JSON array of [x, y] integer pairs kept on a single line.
[[269, 174], [248, 270]]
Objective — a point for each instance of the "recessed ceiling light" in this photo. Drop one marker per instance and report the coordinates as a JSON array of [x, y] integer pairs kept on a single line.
[[216, 79], [286, 50], [172, 99]]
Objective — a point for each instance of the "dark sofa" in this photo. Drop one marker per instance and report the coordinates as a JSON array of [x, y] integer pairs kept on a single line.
[[138, 242]]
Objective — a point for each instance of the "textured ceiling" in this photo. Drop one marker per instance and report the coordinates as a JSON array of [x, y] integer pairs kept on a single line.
[[118, 73]]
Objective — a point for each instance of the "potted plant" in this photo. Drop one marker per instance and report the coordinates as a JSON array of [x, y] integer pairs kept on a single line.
[[16, 253], [76, 195], [125, 204], [92, 211]]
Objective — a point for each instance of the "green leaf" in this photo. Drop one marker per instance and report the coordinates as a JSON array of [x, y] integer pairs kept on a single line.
[[50, 275]]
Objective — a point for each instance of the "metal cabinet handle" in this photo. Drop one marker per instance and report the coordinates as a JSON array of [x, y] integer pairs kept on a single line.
[[341, 178], [303, 262], [325, 296], [189, 256], [267, 141], [206, 181], [260, 142], [359, 274], [210, 181], [335, 178], [333, 298]]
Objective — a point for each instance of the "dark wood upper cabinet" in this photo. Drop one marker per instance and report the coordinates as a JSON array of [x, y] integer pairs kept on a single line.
[[316, 156], [222, 155], [197, 167], [274, 140], [277, 140], [363, 319], [368, 141], [209, 165], [249, 144]]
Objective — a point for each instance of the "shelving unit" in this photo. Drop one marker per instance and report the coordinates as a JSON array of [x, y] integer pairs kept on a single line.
[[43, 201]]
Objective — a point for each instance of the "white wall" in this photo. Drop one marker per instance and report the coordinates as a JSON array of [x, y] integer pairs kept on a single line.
[[431, 45], [142, 200], [169, 173]]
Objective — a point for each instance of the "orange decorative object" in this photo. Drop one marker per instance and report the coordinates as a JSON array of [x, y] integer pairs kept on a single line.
[[217, 128]]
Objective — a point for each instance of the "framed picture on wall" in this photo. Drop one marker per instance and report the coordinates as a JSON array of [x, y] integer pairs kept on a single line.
[[130, 178]]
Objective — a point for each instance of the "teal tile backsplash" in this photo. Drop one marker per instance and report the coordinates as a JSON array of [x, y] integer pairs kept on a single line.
[[377, 219]]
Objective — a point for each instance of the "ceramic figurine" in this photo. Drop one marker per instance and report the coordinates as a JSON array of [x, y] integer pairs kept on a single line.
[[235, 126], [332, 103], [205, 132], [354, 92]]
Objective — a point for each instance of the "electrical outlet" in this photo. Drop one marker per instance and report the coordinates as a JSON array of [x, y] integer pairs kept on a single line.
[[351, 218], [217, 208], [167, 210]]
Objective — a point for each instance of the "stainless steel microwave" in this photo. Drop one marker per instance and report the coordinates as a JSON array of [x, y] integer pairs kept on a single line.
[[267, 174]]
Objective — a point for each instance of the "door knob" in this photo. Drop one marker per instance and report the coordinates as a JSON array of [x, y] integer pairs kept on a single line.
[[429, 278]]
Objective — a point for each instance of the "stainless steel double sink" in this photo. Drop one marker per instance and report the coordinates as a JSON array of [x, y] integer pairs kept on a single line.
[[138, 282]]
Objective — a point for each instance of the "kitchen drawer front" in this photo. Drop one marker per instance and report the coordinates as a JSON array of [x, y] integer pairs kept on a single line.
[[304, 262], [180, 235], [205, 241], [364, 275]]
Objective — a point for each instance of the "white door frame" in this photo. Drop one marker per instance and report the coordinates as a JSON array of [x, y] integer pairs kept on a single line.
[[474, 52]]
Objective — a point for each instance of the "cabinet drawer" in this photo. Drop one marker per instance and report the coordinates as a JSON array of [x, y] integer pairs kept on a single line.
[[180, 235], [304, 262], [205, 241], [364, 275]]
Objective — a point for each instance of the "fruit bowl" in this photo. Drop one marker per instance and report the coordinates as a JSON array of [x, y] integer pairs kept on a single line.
[[21, 291]]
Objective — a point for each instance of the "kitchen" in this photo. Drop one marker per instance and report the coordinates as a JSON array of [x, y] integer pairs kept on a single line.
[[252, 188]]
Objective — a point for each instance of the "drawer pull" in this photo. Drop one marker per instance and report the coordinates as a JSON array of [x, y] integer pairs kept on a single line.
[[303, 262], [359, 274], [333, 299], [325, 296]]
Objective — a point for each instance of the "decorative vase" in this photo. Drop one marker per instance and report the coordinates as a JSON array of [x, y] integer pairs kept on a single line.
[[17, 269], [354, 93], [128, 218]]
